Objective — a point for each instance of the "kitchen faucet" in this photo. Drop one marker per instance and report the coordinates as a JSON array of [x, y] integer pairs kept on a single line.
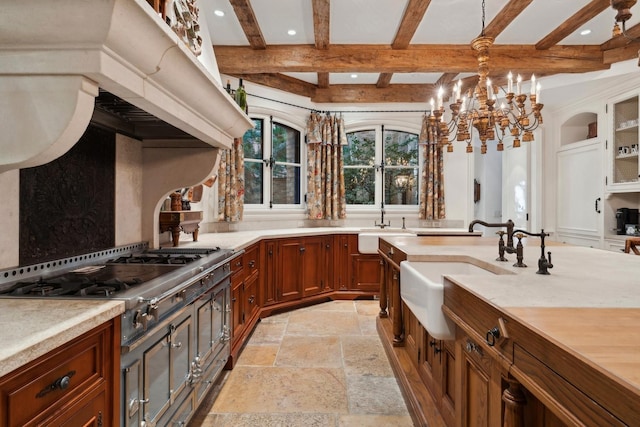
[[502, 248], [382, 224], [543, 264]]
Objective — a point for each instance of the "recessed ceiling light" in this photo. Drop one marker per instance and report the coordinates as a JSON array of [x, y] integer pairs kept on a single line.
[[585, 32], [218, 13], [354, 76], [291, 32]]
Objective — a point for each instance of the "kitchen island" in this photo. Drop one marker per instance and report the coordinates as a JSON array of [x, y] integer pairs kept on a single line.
[[561, 348]]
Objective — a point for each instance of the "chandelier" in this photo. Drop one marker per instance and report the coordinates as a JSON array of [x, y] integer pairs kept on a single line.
[[478, 110]]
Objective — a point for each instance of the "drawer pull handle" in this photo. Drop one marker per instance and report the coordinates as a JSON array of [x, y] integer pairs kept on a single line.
[[61, 383], [492, 335]]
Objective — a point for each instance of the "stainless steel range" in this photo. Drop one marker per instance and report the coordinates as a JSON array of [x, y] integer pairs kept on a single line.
[[175, 329]]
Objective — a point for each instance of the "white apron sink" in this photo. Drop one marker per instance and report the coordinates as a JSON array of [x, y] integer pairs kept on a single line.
[[368, 239], [422, 289]]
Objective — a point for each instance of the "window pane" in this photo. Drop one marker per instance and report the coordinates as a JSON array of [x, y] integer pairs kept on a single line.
[[401, 186], [360, 185], [286, 184], [253, 182], [252, 141], [361, 148], [400, 148], [286, 144]]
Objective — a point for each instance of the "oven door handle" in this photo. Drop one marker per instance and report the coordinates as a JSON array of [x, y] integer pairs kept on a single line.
[[177, 290]]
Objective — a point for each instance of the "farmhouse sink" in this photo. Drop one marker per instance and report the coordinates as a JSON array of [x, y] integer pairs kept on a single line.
[[368, 238], [422, 289]]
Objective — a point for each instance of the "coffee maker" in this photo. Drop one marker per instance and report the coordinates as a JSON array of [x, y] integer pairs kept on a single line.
[[625, 216]]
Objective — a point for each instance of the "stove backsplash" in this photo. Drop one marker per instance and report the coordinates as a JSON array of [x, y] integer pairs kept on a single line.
[[67, 206]]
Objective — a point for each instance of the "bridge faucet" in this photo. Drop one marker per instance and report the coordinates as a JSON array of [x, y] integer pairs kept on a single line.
[[382, 224], [543, 264], [502, 248]]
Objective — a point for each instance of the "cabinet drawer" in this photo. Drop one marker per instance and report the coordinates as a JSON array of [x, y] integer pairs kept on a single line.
[[237, 266], [54, 380], [477, 317], [251, 260], [391, 252], [567, 401]]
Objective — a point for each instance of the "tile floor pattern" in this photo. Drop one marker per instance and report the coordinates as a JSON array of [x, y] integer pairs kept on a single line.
[[321, 366]]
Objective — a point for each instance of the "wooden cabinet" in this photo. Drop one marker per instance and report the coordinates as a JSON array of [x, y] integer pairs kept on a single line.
[[297, 268], [76, 384], [245, 307]]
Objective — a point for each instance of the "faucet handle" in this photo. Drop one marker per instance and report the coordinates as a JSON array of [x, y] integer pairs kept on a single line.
[[520, 236]]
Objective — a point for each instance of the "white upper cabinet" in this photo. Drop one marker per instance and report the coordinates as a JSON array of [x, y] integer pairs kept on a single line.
[[622, 145]]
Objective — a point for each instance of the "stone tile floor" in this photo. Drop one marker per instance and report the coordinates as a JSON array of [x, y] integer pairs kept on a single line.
[[317, 366]]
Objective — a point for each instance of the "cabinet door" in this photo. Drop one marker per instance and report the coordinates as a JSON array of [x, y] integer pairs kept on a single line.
[[480, 393], [315, 264], [580, 189], [268, 267], [342, 250], [624, 144], [237, 311], [250, 298], [366, 272], [289, 272], [431, 364]]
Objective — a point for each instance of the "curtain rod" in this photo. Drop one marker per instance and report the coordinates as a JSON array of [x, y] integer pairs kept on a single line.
[[314, 110]]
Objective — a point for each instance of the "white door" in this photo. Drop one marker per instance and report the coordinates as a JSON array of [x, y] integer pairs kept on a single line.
[[515, 185]]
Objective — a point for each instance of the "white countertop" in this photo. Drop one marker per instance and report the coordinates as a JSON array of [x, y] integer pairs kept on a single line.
[[242, 239], [31, 328], [580, 277]]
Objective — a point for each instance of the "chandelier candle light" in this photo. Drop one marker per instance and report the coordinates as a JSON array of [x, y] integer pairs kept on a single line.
[[477, 109]]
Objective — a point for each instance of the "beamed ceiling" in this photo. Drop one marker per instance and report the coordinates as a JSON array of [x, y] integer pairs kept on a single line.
[[402, 50]]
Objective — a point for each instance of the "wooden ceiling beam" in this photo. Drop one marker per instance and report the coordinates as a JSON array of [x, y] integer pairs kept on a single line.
[[249, 23], [321, 26], [384, 80], [623, 53], [281, 82], [505, 17], [323, 79], [372, 94], [578, 19], [417, 58], [411, 19]]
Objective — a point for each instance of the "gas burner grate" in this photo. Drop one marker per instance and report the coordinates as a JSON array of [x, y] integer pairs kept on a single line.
[[184, 251]]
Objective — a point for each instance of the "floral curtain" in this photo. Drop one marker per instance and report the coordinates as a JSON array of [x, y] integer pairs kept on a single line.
[[432, 192], [325, 168], [231, 183]]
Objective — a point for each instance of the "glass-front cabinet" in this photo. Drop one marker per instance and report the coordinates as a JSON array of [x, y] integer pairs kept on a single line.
[[623, 146]]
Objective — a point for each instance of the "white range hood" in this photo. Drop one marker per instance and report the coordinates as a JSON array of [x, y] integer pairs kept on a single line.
[[55, 56]]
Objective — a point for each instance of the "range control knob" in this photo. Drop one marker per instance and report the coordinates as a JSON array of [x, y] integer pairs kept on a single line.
[[140, 320], [152, 312]]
